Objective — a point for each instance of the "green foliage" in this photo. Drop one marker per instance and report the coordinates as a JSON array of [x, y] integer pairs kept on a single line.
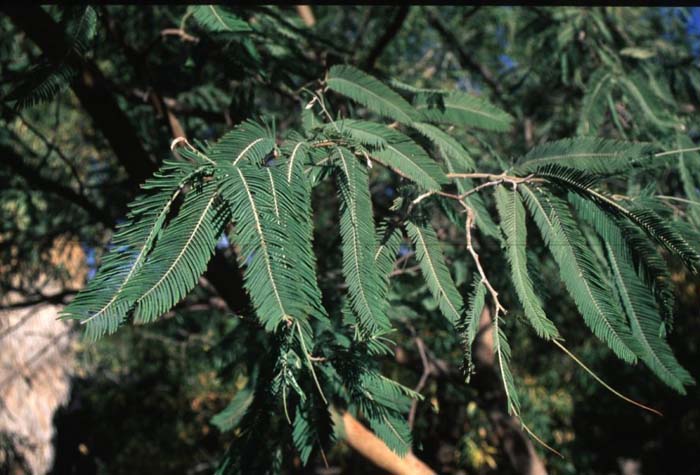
[[307, 210], [595, 155], [469, 324], [264, 190], [512, 213], [359, 244], [368, 91], [435, 270], [218, 19]]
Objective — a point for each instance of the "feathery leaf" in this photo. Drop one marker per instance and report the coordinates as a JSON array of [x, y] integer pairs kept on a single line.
[[359, 244], [586, 153], [370, 92], [435, 271], [180, 256], [218, 19], [103, 304], [249, 141], [578, 270], [512, 213]]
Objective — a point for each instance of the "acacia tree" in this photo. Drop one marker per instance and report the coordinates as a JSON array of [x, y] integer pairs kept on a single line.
[[592, 202]]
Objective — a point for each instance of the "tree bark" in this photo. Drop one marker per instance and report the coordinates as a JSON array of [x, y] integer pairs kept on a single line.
[[389, 33], [373, 449]]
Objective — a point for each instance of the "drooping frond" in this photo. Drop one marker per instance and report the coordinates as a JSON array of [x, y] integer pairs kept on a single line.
[[103, 305], [181, 255], [512, 213], [272, 227], [410, 160], [370, 92], [469, 324], [595, 102], [435, 271], [393, 149], [384, 402], [312, 426], [296, 215], [462, 109], [501, 350], [590, 154], [303, 434], [644, 253], [578, 270], [448, 146], [646, 219], [359, 243], [218, 19], [249, 141], [645, 321]]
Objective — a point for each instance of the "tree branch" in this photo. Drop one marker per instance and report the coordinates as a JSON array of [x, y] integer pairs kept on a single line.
[[389, 33], [467, 62], [372, 448]]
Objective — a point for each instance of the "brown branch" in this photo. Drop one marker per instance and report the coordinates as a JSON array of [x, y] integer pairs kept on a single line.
[[392, 29], [182, 34], [427, 371], [306, 14], [373, 449]]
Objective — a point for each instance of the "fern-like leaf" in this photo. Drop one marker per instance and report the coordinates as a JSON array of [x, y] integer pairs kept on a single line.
[[364, 132], [578, 270], [273, 229], [218, 19], [181, 256], [643, 314], [647, 220], [103, 304], [501, 350], [249, 141], [590, 154], [512, 213], [448, 146], [435, 271], [410, 160], [370, 92], [359, 244]]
